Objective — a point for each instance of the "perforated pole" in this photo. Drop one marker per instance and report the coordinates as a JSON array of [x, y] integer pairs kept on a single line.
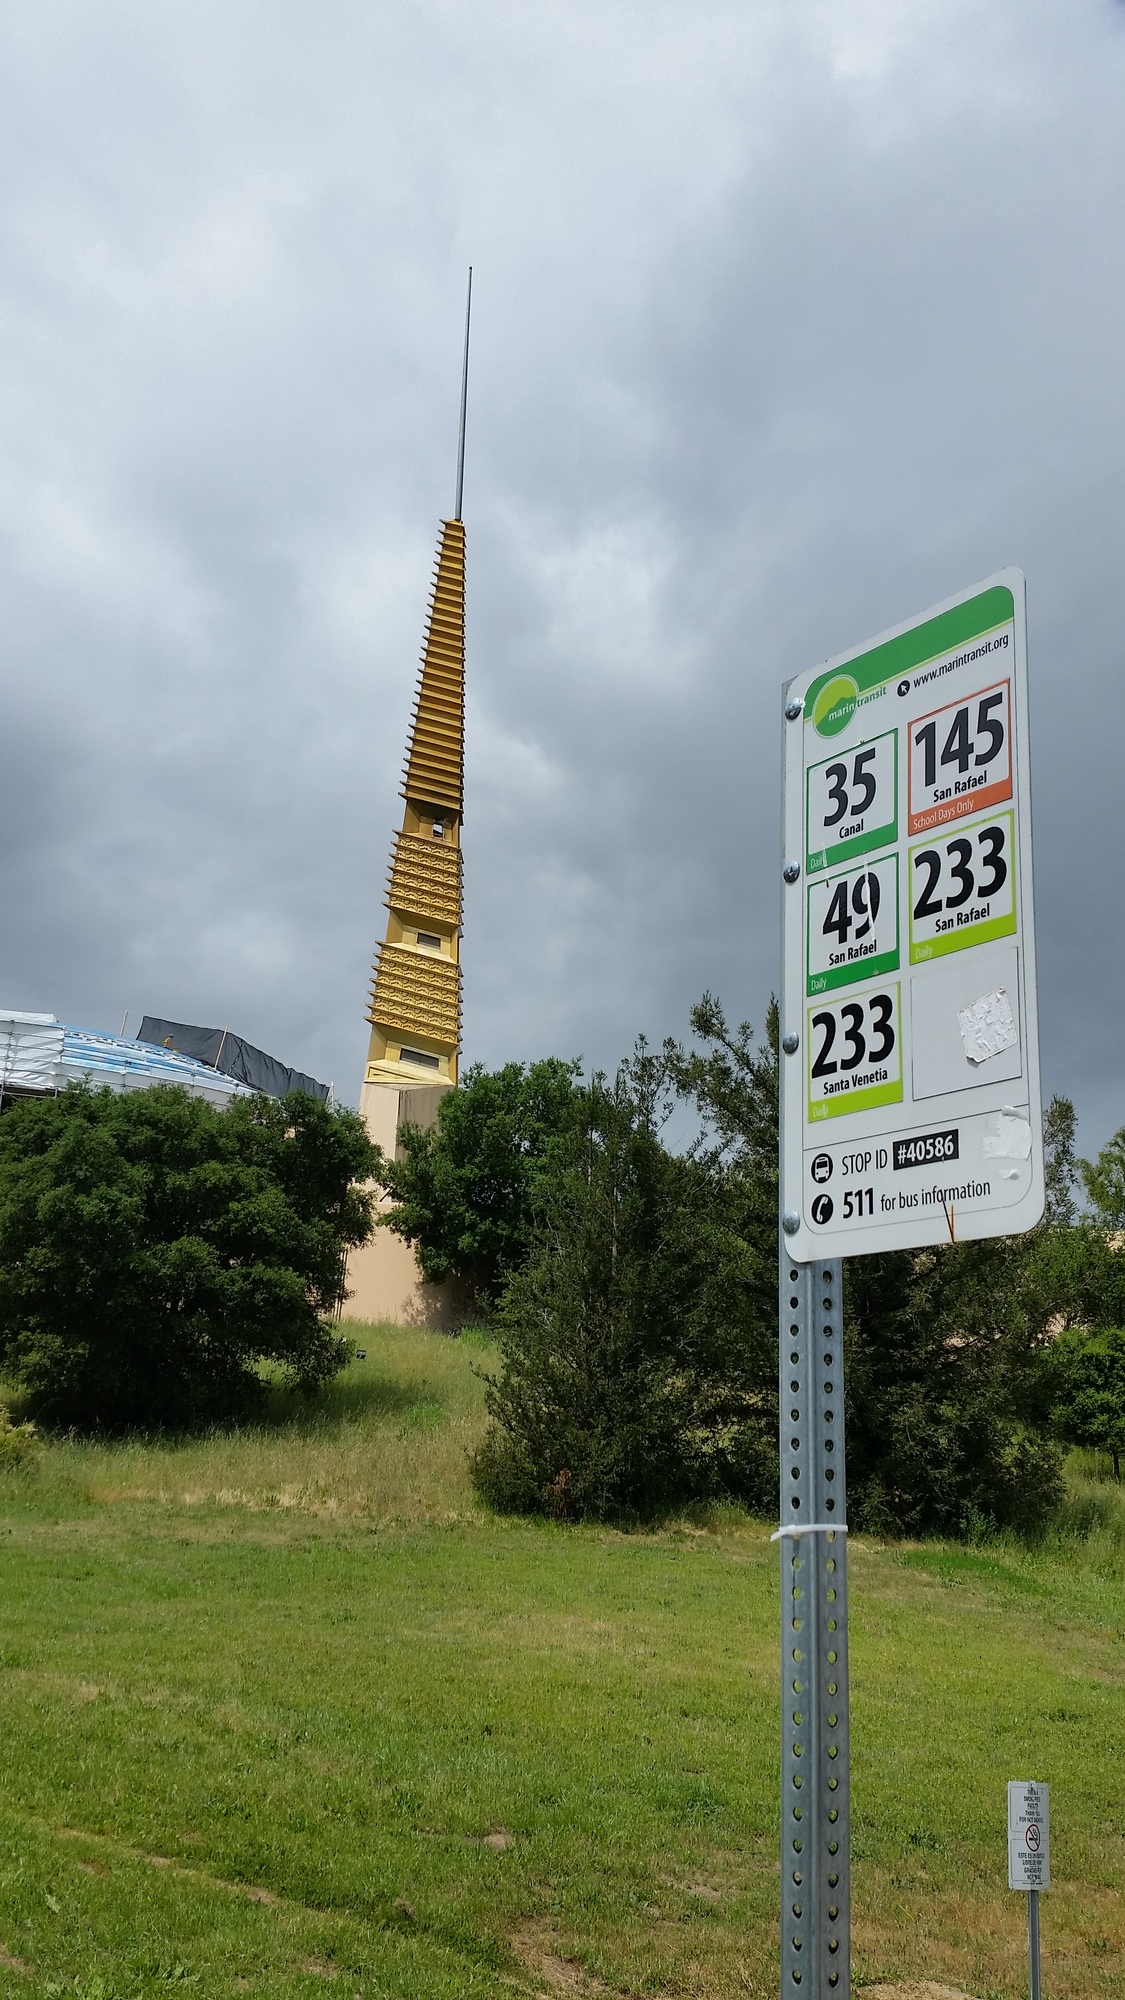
[[1033, 1943], [815, 1865]]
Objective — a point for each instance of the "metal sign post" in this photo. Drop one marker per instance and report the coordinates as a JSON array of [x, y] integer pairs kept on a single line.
[[1029, 1858], [815, 1867], [910, 1107]]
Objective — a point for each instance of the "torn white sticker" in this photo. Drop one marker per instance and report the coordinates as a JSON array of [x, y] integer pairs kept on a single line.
[[987, 1027], [1008, 1136]]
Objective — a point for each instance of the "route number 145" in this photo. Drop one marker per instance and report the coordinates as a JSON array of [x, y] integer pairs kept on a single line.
[[960, 758]]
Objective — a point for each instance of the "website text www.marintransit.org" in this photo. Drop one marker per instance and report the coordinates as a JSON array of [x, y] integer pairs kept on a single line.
[[996, 645]]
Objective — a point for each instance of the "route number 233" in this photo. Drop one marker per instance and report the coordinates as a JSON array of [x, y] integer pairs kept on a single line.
[[861, 1033]]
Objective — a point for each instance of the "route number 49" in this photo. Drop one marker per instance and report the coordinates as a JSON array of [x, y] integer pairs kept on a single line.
[[853, 924], [859, 909]]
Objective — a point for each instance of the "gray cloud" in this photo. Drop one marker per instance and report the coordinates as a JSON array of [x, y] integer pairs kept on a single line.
[[790, 322]]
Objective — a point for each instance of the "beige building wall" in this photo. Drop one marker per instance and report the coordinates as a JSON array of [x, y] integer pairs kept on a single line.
[[383, 1279]]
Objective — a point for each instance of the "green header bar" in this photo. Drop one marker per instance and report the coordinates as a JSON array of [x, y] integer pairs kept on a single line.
[[922, 643]]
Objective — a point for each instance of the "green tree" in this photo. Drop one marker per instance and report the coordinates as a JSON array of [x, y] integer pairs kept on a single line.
[[942, 1350], [639, 1330], [630, 1380], [1088, 1378], [464, 1188], [154, 1250], [734, 1085], [732, 1081], [948, 1388], [945, 1424], [1104, 1181], [1060, 1126]]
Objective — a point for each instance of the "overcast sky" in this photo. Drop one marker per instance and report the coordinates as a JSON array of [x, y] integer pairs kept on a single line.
[[792, 317]]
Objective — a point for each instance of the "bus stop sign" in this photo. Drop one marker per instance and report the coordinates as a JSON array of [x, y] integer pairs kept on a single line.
[[910, 1101]]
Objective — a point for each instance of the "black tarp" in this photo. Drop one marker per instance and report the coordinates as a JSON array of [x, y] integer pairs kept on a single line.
[[221, 1050]]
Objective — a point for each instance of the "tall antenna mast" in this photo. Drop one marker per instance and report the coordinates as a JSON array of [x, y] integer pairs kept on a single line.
[[464, 403]]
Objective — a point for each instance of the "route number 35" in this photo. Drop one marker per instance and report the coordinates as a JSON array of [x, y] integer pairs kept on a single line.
[[852, 802]]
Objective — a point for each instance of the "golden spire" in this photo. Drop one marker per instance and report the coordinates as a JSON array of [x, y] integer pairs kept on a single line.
[[415, 1010]]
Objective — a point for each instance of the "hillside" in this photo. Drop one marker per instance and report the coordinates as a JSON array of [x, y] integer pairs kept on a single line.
[[287, 1709]]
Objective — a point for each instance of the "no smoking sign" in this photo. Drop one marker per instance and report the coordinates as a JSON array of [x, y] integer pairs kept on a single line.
[[1029, 1835]]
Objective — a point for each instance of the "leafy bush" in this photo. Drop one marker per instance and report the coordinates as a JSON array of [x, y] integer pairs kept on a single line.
[[633, 1373], [155, 1250], [1087, 1378], [639, 1336], [19, 1444], [465, 1187], [942, 1350]]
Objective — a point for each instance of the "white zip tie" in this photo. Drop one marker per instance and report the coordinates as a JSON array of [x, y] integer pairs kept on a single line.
[[810, 1528]]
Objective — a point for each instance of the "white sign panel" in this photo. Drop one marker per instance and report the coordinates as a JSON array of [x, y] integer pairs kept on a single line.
[[910, 1082], [1029, 1835]]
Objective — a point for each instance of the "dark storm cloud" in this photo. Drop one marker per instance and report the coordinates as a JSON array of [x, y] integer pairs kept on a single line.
[[790, 322]]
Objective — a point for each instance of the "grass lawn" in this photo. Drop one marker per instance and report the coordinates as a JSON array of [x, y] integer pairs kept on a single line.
[[286, 1714]]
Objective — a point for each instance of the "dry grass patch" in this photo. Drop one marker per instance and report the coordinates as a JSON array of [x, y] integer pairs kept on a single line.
[[915, 1989], [389, 1439], [534, 1945], [978, 1944]]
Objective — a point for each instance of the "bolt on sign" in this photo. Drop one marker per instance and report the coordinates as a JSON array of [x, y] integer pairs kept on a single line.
[[911, 1109]]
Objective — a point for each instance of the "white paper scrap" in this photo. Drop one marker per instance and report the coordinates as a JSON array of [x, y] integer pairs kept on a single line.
[[1010, 1136], [987, 1027]]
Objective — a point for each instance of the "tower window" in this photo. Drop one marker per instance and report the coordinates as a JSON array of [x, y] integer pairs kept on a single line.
[[421, 1057], [439, 829], [429, 941]]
